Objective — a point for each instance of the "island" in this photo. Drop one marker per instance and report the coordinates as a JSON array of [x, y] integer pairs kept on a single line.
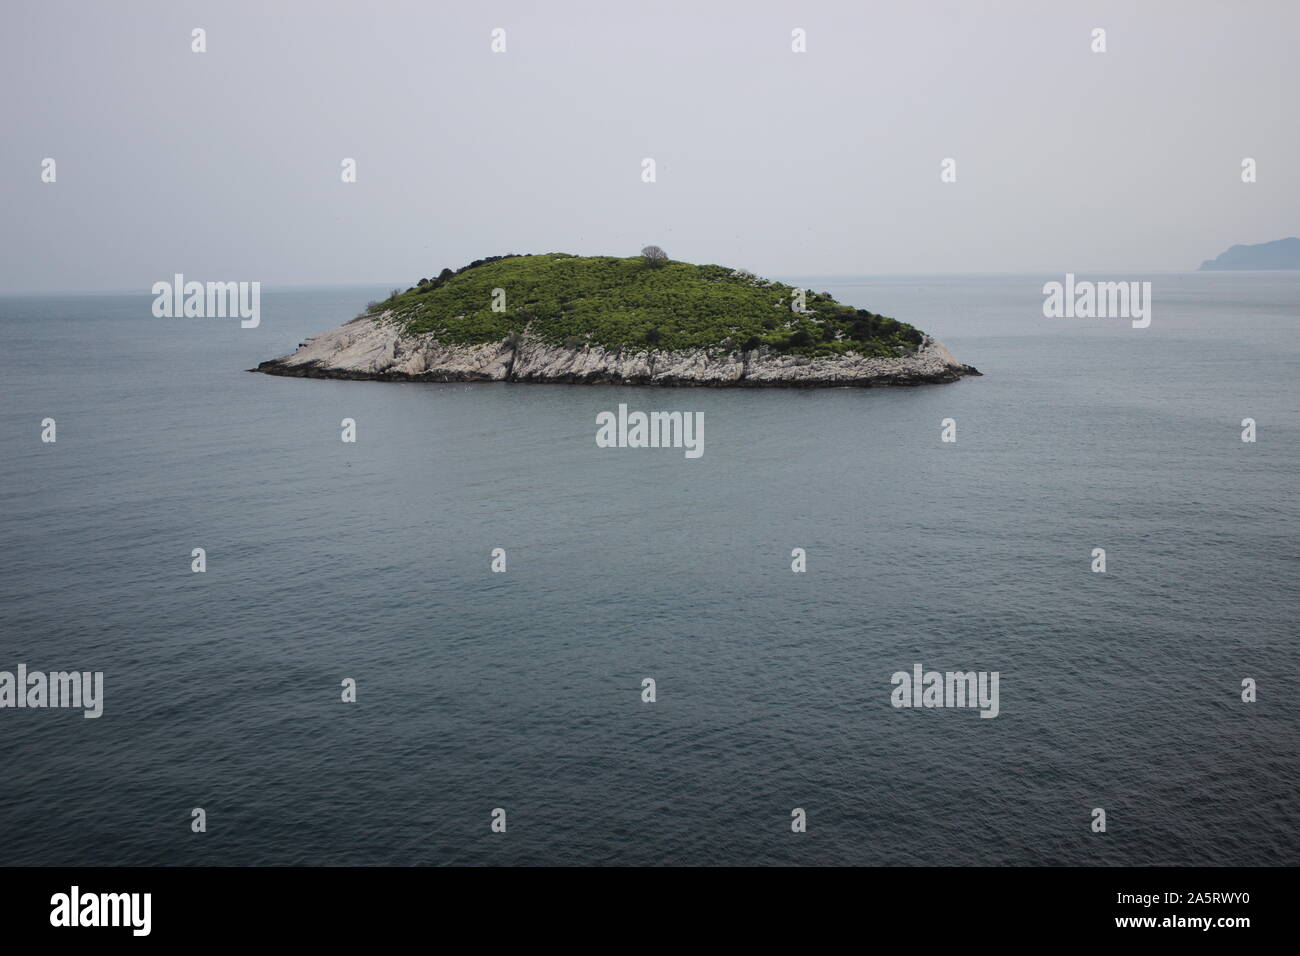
[[639, 320], [1278, 254]]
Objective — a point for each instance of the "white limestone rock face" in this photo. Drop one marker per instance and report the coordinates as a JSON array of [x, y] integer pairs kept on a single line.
[[374, 347]]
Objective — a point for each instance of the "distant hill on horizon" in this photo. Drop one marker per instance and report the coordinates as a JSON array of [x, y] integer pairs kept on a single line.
[[1278, 254]]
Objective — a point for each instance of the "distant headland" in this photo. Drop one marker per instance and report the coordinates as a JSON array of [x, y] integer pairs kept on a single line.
[[1278, 254], [640, 320]]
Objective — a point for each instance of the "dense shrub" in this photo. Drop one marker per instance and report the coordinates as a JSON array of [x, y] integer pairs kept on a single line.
[[616, 303]]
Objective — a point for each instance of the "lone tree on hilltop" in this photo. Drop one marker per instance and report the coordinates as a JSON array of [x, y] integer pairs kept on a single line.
[[654, 256]]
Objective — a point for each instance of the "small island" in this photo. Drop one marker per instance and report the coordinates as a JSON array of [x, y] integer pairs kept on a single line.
[[1278, 254], [639, 320]]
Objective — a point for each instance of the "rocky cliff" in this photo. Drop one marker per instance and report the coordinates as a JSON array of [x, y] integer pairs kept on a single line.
[[376, 347]]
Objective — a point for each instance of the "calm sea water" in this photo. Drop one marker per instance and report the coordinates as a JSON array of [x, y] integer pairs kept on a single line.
[[522, 690]]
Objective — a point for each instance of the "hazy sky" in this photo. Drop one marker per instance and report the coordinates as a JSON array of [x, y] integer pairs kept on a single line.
[[225, 165]]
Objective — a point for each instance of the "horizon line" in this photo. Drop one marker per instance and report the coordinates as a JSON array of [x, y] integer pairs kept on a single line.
[[297, 286]]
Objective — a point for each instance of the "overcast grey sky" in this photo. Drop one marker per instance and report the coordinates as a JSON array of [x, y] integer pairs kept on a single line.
[[226, 164]]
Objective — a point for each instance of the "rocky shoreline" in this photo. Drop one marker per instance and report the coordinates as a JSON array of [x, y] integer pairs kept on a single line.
[[373, 347]]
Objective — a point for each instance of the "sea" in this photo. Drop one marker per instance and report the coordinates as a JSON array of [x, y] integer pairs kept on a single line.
[[1161, 691]]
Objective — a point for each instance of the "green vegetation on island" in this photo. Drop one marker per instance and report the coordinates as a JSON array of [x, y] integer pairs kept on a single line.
[[640, 302]]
